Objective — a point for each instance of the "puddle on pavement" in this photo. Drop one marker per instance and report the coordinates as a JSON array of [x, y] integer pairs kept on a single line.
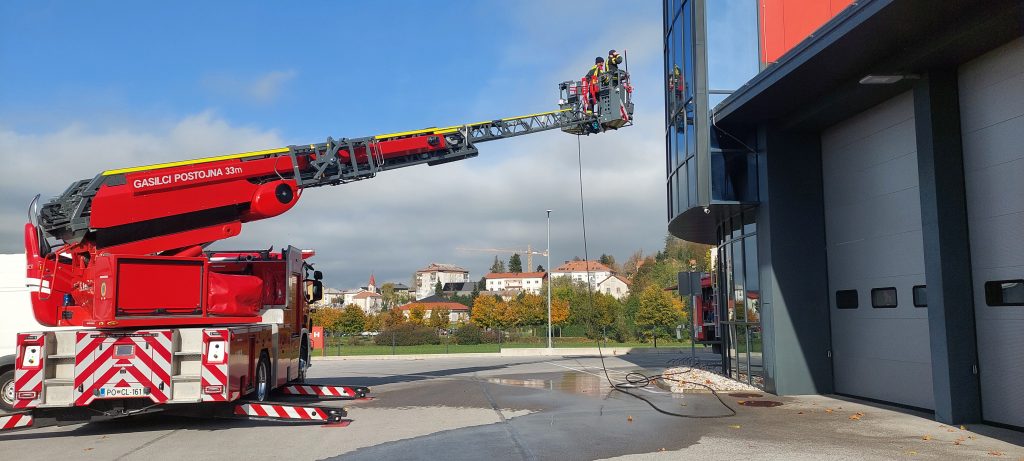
[[576, 383]]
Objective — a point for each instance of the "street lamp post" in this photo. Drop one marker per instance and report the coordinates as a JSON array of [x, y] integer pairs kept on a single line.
[[549, 279]]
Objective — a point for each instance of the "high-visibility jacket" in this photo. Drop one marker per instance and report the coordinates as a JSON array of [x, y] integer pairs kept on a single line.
[[594, 73], [613, 62]]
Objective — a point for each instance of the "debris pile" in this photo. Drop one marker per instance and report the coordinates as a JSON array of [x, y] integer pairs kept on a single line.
[[683, 379]]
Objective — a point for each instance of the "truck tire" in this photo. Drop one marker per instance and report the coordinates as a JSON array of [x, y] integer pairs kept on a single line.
[[261, 382], [7, 391]]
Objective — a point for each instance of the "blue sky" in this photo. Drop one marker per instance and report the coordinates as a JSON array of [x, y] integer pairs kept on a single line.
[[94, 85]]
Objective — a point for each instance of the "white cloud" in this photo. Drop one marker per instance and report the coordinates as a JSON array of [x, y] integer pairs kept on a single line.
[[262, 89]]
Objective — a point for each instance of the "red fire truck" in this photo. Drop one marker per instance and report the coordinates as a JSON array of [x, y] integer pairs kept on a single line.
[[705, 317], [165, 324]]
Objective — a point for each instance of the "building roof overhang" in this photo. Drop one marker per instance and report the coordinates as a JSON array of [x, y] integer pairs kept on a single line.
[[817, 83]]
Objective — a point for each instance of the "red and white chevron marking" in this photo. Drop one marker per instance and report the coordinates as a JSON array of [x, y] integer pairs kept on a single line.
[[319, 391], [15, 421], [281, 411], [96, 365], [215, 374], [29, 380]]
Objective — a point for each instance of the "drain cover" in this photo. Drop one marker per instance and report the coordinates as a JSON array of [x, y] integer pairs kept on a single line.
[[759, 403], [745, 395]]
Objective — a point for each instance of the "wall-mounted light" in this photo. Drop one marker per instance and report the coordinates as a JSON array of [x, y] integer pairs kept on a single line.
[[885, 79]]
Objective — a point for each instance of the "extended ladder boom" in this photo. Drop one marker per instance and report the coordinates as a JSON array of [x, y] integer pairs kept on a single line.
[[172, 207]]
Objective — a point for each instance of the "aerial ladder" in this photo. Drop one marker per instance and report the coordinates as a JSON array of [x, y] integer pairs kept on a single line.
[[165, 324]]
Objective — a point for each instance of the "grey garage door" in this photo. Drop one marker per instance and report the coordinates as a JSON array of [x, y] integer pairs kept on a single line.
[[992, 122], [875, 256]]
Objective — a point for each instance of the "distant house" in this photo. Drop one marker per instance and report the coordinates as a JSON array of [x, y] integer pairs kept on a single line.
[[369, 301], [367, 298], [332, 296], [460, 288], [615, 285], [427, 278], [457, 312], [581, 270], [401, 289], [517, 282]]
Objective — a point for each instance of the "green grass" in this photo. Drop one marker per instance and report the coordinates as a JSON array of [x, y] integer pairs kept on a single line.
[[343, 348]]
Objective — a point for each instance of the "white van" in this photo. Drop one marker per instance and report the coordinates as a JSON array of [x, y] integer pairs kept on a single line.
[[16, 312]]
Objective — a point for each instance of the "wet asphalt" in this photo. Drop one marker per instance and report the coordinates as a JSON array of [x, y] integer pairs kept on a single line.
[[528, 408]]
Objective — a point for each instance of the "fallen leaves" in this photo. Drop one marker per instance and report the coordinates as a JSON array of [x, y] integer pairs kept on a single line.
[[735, 426], [996, 453], [829, 410], [856, 416], [629, 418], [799, 412], [926, 437]]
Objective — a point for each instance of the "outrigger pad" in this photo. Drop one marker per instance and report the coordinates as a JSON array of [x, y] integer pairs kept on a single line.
[[276, 411], [326, 392], [16, 421]]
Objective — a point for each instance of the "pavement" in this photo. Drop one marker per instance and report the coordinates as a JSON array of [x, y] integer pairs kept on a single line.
[[531, 408]]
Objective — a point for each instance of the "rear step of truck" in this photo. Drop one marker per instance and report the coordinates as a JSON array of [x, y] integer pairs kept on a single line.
[[16, 421], [266, 411], [326, 392], [288, 412]]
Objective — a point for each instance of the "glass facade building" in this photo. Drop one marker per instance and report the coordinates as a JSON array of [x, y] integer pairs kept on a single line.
[[712, 189]]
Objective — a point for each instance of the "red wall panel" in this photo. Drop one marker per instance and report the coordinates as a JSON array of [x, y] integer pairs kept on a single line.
[[785, 23]]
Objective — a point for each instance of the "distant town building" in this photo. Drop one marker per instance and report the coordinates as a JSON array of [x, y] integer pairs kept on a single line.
[[332, 296], [401, 289], [460, 288], [368, 301], [615, 285], [368, 298], [517, 282], [579, 271], [428, 277], [457, 312]]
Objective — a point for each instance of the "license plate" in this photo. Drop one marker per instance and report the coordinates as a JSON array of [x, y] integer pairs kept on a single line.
[[111, 392]]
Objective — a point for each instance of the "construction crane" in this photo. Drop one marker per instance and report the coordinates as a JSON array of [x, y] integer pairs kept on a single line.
[[529, 252], [165, 324]]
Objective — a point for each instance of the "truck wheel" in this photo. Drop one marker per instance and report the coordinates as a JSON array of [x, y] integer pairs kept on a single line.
[[262, 380], [7, 391]]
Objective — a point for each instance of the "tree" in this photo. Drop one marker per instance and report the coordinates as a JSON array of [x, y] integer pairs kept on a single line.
[[540, 268], [634, 261], [438, 288], [530, 310], [372, 322], [391, 318], [483, 311], [559, 311], [388, 296], [440, 318], [327, 317], [498, 266], [659, 312], [416, 314], [609, 260], [353, 320], [515, 263]]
